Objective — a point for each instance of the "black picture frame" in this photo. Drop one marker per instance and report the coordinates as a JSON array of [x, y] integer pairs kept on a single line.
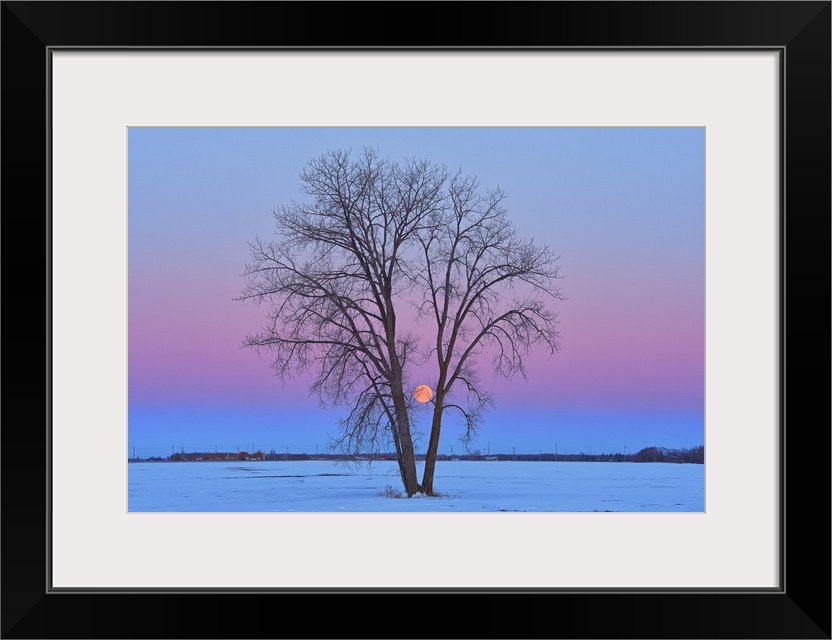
[[800, 608]]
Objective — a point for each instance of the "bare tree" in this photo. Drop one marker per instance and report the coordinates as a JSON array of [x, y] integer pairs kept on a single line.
[[331, 282], [377, 235], [486, 289]]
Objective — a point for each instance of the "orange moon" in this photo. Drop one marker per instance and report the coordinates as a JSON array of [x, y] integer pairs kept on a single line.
[[423, 393]]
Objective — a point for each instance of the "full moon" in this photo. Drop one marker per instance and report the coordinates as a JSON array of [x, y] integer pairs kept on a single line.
[[423, 393]]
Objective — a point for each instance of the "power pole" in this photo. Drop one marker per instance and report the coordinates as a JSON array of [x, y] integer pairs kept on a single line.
[[556, 452]]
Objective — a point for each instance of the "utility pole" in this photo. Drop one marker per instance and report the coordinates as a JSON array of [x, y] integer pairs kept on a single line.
[[556, 452]]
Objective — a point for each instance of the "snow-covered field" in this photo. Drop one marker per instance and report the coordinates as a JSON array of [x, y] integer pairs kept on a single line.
[[466, 486]]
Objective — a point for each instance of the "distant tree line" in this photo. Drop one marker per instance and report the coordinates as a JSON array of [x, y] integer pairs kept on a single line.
[[202, 456], [694, 455]]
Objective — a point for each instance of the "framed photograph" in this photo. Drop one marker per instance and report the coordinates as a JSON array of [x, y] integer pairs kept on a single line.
[[108, 105]]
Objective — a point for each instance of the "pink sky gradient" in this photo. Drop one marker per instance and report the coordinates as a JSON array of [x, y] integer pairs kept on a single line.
[[623, 208]]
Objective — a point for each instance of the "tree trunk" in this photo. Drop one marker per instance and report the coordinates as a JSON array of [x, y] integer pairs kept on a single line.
[[407, 459], [433, 446]]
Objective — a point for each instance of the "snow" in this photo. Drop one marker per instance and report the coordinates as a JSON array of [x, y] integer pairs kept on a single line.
[[466, 486]]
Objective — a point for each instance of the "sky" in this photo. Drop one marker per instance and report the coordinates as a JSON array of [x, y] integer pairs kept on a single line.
[[622, 207]]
